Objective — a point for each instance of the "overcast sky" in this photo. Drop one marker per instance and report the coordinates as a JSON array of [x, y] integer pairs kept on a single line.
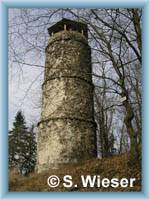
[[24, 81]]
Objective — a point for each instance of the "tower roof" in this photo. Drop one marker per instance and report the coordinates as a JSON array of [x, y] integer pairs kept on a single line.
[[67, 24]]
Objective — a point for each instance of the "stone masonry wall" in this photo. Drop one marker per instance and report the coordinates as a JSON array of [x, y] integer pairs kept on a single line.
[[67, 129]]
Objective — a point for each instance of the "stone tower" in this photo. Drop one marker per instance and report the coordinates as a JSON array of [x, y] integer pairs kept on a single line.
[[67, 131]]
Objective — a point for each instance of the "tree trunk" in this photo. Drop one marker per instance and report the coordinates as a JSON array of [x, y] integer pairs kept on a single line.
[[134, 146]]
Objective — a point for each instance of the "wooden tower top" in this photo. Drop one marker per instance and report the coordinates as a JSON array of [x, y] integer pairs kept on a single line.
[[67, 24]]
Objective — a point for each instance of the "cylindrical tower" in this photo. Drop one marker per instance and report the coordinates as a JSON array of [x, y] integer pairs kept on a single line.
[[67, 131]]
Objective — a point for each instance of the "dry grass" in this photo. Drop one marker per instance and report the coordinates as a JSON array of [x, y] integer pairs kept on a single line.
[[115, 167]]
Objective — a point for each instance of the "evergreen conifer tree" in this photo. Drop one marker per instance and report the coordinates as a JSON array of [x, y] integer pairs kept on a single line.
[[22, 146]]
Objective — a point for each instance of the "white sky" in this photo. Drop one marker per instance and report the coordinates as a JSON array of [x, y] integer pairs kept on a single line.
[[23, 96]]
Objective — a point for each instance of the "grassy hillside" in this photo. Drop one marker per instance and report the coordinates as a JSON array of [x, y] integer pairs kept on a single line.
[[115, 167]]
